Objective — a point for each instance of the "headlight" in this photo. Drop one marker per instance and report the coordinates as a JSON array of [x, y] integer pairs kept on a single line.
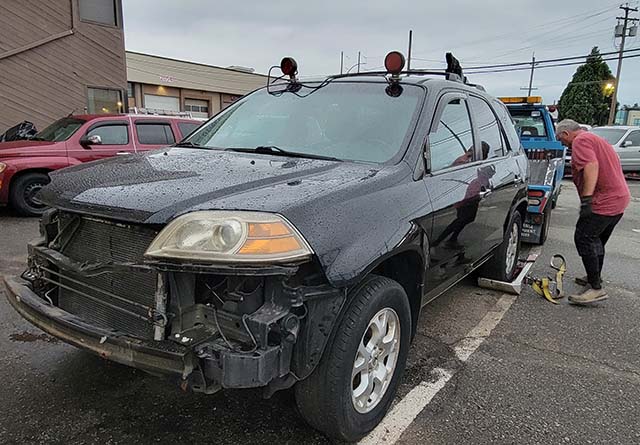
[[223, 236]]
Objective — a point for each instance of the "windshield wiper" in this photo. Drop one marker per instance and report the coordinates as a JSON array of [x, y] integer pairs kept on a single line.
[[187, 144], [277, 151]]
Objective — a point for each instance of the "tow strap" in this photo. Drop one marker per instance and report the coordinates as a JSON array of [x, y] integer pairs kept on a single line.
[[547, 287]]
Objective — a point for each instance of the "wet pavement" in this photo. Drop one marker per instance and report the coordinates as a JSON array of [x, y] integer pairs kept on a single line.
[[546, 374]]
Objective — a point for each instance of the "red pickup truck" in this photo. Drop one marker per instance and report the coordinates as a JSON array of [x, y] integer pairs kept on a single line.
[[24, 165]]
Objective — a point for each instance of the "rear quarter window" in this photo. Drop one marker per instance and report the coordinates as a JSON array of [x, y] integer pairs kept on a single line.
[[187, 128], [507, 123]]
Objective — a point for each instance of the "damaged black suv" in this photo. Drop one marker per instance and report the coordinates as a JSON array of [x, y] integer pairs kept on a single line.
[[291, 241]]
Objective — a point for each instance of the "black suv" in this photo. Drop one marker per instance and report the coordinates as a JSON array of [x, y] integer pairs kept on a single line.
[[292, 240]]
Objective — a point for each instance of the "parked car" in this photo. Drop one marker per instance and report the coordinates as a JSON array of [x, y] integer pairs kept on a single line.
[[292, 240], [25, 165], [626, 142]]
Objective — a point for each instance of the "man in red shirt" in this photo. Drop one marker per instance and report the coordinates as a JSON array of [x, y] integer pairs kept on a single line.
[[604, 195]]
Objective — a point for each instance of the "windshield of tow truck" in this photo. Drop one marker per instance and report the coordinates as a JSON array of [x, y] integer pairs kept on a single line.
[[528, 122], [354, 121]]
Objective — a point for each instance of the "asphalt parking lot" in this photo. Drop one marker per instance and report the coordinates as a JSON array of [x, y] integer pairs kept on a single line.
[[544, 374]]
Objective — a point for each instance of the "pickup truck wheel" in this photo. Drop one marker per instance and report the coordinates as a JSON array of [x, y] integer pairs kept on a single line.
[[23, 192], [503, 265], [354, 384]]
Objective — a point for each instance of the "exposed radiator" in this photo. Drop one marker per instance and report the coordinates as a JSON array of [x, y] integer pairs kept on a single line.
[[115, 300]]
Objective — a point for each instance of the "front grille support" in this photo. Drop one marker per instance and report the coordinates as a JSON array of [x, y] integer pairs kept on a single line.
[[160, 317]]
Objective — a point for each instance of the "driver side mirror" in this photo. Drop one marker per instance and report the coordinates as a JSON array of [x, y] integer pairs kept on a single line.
[[627, 144], [88, 141]]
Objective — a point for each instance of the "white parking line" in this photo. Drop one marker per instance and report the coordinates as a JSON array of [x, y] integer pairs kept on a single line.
[[405, 411]]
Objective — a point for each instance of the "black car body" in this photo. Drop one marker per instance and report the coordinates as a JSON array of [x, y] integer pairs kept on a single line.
[[440, 200]]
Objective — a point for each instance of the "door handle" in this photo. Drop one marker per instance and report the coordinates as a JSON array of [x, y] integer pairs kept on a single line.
[[123, 153]]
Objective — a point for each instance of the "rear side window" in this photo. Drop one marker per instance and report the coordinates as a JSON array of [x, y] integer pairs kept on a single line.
[[488, 129], [452, 142], [111, 134], [187, 127], [508, 125], [155, 134]]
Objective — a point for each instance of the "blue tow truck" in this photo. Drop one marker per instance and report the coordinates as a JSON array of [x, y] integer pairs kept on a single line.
[[546, 160]]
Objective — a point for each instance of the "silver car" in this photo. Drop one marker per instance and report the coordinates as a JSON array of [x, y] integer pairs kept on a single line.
[[625, 141]]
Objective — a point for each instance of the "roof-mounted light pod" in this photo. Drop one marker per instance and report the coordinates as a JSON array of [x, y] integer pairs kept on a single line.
[[289, 67], [394, 63]]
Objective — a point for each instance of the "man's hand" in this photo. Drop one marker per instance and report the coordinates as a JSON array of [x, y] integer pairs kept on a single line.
[[585, 206]]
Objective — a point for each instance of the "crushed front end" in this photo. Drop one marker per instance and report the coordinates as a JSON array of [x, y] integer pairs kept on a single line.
[[210, 325]]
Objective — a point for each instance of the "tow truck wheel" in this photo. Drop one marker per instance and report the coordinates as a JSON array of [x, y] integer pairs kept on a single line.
[[503, 265], [354, 384], [23, 192]]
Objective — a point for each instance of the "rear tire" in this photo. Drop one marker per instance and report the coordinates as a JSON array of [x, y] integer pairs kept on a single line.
[[23, 191], [370, 345], [503, 265]]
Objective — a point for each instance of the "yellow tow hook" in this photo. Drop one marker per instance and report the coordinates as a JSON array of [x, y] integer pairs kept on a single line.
[[547, 287]]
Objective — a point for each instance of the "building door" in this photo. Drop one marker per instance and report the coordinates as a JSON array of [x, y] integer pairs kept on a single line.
[[161, 103], [199, 109]]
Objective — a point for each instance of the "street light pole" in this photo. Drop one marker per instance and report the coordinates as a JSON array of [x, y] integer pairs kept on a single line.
[[358, 61], [341, 61], [614, 96], [409, 53]]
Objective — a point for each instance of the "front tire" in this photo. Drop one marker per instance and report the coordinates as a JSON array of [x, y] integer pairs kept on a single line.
[[23, 192], [503, 265], [355, 382]]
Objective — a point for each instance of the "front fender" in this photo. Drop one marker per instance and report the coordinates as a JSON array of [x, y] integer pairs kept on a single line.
[[19, 165]]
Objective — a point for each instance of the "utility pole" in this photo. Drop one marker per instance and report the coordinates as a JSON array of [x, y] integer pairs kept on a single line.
[[620, 33], [358, 61], [533, 66], [409, 53], [341, 61]]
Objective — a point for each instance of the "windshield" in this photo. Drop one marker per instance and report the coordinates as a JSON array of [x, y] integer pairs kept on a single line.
[[348, 121], [60, 130], [528, 122], [611, 135]]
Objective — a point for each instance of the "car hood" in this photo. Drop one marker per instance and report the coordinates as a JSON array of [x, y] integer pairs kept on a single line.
[[154, 187]]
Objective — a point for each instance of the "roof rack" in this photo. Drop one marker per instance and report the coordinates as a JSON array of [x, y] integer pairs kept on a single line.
[[160, 112]]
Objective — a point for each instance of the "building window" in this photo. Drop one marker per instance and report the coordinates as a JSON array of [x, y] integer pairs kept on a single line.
[[130, 92], [103, 12], [155, 134], [636, 122], [104, 100]]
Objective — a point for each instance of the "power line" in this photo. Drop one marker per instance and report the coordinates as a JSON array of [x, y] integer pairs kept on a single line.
[[560, 59], [565, 22], [547, 66]]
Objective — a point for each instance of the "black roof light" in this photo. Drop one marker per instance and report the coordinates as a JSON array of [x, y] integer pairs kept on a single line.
[[289, 67]]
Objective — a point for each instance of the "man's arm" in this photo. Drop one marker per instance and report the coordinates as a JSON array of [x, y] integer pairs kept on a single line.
[[590, 178]]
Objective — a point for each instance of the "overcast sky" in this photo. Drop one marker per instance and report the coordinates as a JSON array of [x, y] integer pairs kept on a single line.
[[259, 33]]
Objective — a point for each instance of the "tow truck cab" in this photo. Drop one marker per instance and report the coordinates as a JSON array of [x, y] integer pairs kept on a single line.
[[546, 156]]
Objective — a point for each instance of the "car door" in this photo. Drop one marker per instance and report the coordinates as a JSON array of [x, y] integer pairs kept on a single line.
[[152, 134], [629, 151], [456, 187], [500, 171], [114, 139]]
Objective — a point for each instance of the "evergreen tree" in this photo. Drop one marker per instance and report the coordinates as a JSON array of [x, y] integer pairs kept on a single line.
[[584, 99]]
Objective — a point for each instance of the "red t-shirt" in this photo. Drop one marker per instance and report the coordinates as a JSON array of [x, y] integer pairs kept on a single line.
[[611, 196]]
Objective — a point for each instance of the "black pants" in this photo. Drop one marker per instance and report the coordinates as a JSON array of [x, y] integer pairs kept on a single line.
[[592, 234]]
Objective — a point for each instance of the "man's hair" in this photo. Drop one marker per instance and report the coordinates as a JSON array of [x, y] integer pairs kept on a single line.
[[567, 125]]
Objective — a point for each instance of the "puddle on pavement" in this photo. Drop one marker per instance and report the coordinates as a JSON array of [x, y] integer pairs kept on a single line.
[[28, 337]]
